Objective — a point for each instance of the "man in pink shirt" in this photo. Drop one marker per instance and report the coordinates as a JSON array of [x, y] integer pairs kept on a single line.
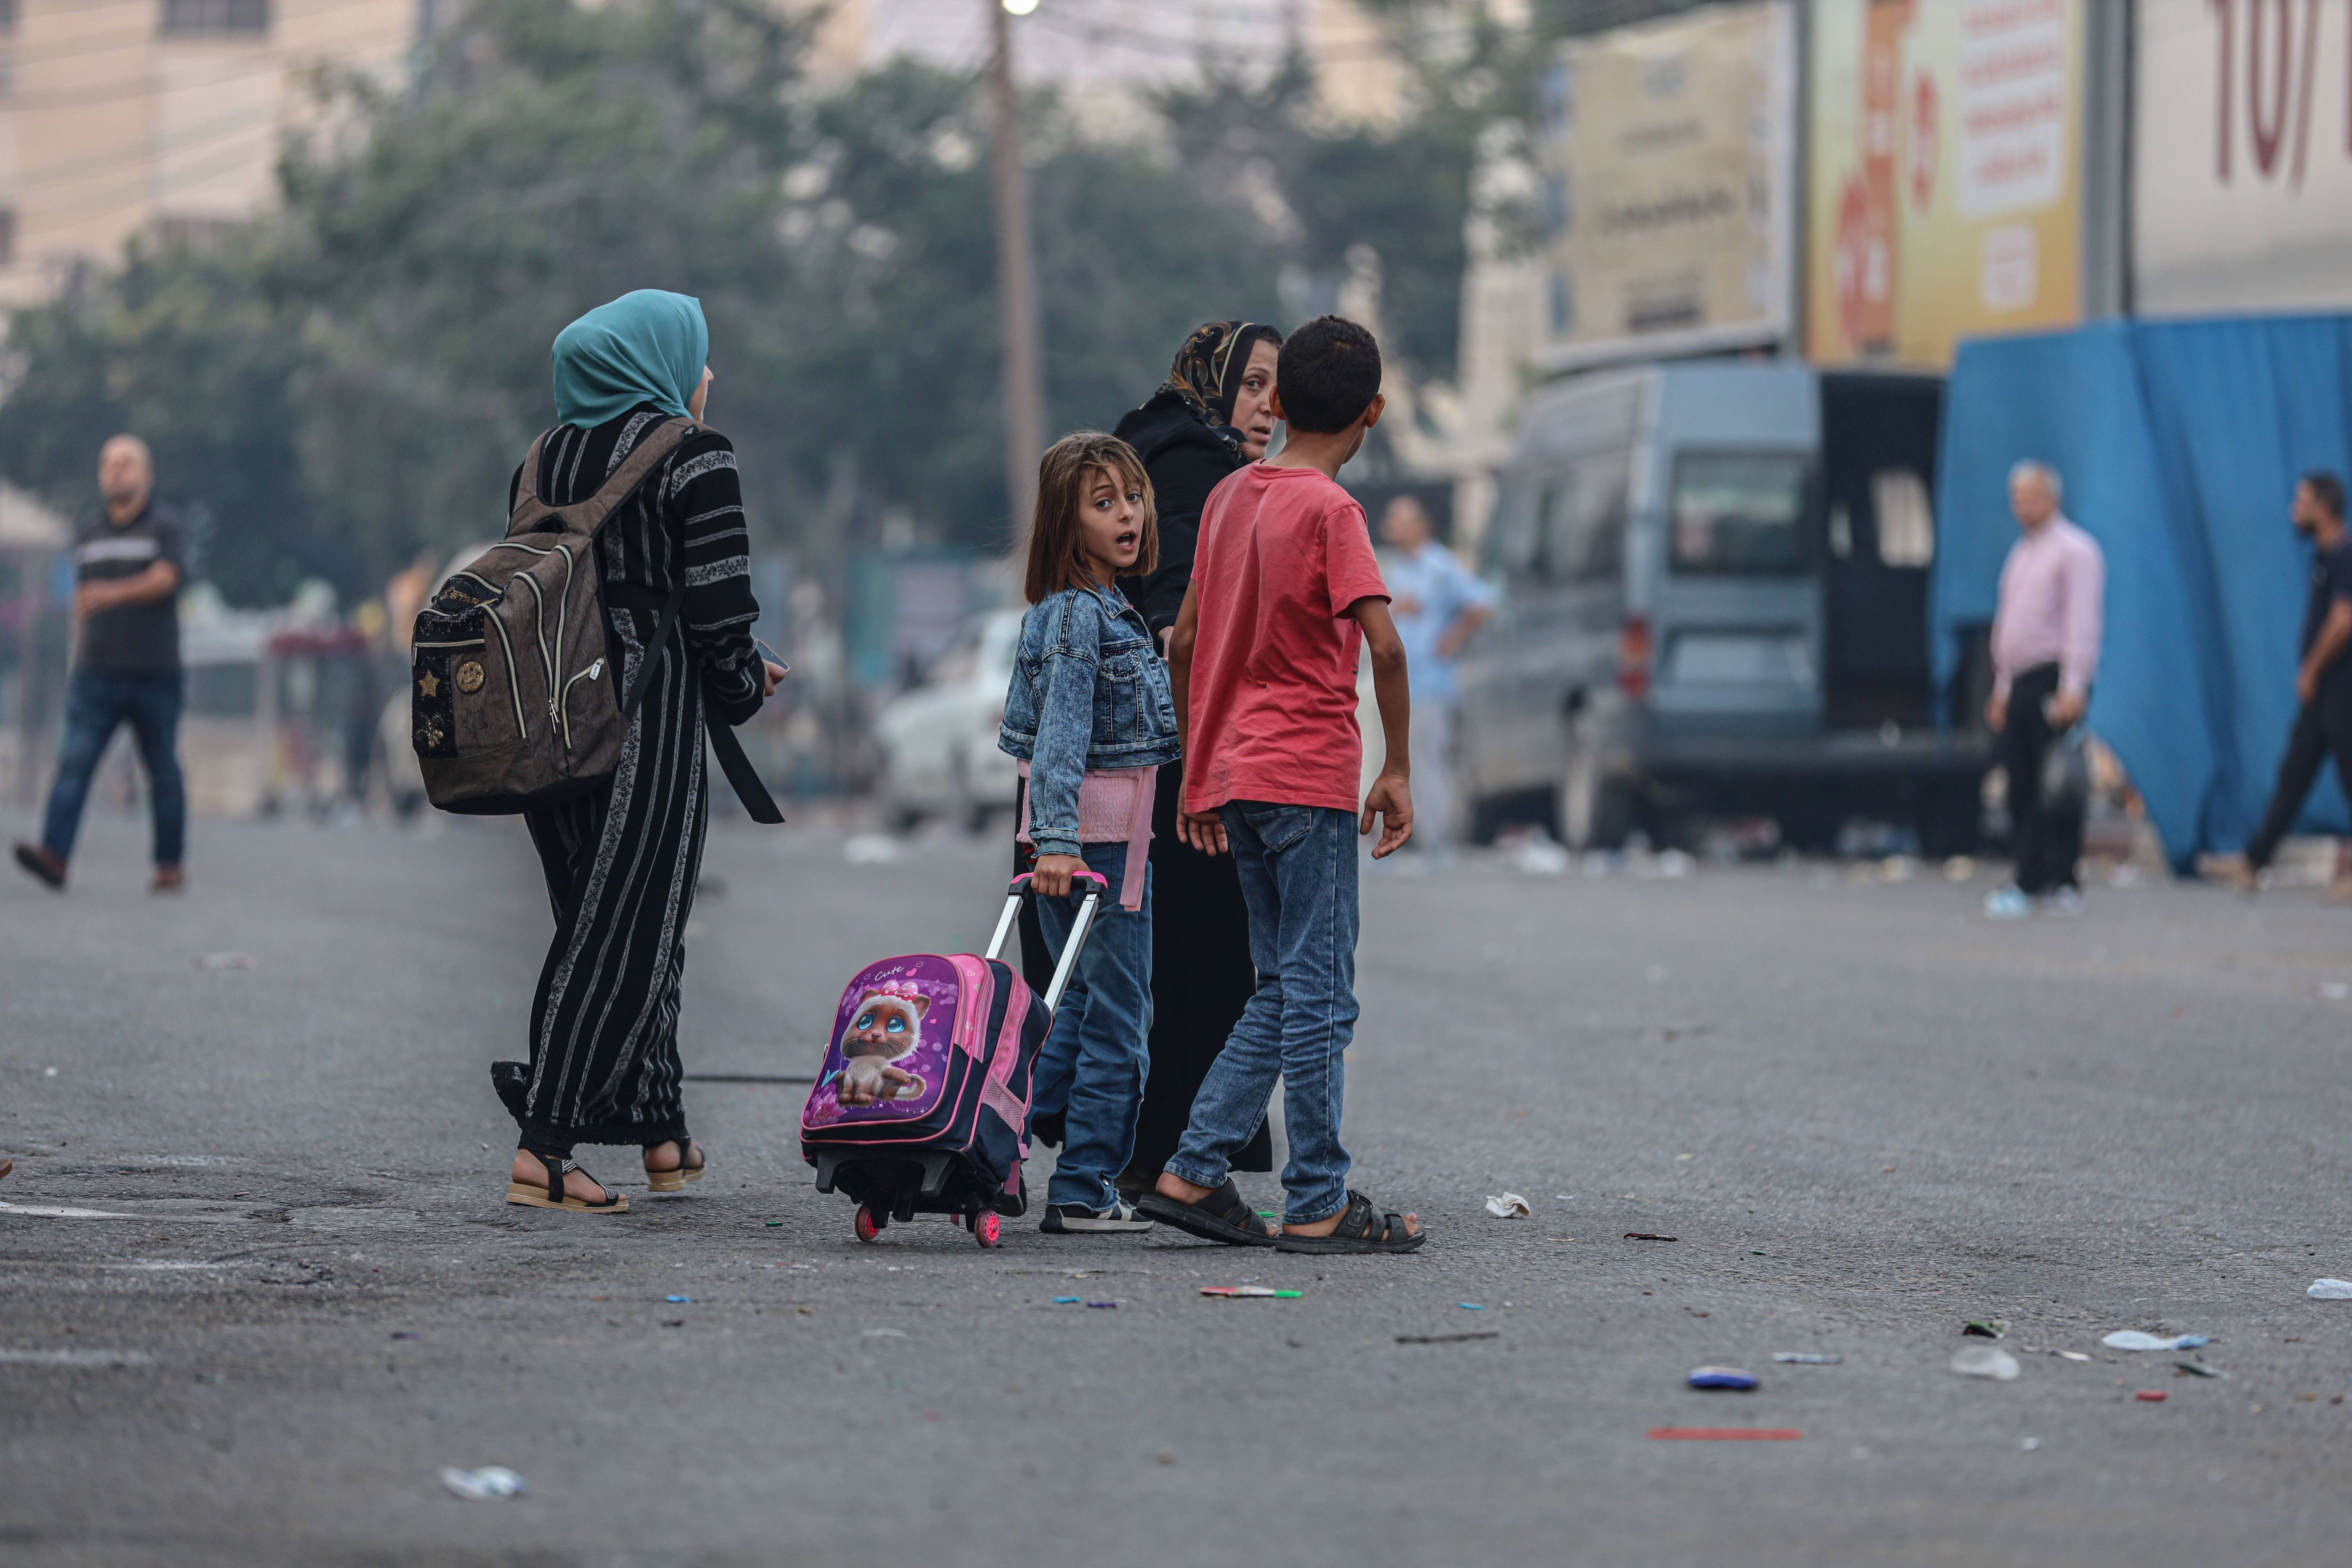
[[1286, 594], [2045, 654]]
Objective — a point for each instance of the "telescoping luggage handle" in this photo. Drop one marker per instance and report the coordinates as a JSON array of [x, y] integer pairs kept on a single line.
[[1098, 886]]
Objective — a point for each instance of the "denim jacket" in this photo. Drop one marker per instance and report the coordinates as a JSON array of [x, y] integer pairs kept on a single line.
[[1089, 691]]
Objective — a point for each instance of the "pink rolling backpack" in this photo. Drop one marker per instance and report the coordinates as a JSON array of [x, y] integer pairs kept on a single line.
[[950, 1044]]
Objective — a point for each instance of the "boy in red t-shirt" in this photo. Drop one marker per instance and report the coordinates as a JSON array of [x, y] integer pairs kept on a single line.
[[1285, 592]]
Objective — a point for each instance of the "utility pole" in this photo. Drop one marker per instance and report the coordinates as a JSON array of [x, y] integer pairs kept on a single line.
[[1016, 294]]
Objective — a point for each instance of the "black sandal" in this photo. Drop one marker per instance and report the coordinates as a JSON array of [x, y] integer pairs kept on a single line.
[[555, 1197], [1223, 1215], [1361, 1228], [675, 1179]]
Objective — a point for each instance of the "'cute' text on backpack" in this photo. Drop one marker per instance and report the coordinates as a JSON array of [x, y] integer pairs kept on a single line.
[[513, 700]]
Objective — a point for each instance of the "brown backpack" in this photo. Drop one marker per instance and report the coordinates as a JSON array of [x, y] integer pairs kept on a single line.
[[513, 703]]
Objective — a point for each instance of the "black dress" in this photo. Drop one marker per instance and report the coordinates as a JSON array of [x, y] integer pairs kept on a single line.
[[621, 861], [1202, 976]]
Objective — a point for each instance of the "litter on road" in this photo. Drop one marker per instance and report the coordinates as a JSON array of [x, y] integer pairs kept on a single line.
[[1509, 1206], [1103, 1306], [1983, 1360], [2135, 1340], [1649, 1235], [1067, 1300], [1726, 1434], [677, 1298], [2151, 1395], [1470, 1306], [1986, 1328], [1251, 1290], [2072, 1355], [1449, 1338], [491, 1483], [1806, 1358], [2330, 1290], [1729, 1378], [2198, 1369]]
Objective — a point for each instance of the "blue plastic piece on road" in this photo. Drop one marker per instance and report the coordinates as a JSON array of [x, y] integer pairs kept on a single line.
[[1470, 1306], [678, 1298], [2191, 1341], [1065, 1300], [1729, 1377]]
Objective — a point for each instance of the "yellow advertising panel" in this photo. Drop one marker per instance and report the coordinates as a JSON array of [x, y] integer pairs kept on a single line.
[[1668, 177], [1943, 174]]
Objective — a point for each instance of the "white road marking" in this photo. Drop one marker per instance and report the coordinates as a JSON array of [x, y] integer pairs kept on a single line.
[[76, 1358]]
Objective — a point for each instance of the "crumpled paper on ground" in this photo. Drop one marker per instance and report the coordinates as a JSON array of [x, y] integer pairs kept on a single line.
[[1983, 1360], [2321, 1290], [491, 1483], [1509, 1206], [2134, 1340]]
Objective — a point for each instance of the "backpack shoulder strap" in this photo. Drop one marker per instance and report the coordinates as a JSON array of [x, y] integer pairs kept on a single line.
[[531, 514], [527, 484]]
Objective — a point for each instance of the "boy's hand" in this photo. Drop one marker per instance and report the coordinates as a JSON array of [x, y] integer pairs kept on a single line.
[[1391, 798], [1051, 878], [1203, 830]]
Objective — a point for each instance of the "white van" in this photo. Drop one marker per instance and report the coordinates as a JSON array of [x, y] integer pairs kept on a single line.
[[1716, 599]]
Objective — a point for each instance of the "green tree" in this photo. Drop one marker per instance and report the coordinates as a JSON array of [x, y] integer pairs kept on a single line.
[[354, 379], [184, 351]]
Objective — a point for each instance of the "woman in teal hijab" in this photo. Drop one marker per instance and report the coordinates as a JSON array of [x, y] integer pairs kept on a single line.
[[647, 346], [622, 859]]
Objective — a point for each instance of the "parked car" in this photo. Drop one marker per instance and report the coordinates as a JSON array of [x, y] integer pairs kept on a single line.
[[939, 739], [1714, 598]]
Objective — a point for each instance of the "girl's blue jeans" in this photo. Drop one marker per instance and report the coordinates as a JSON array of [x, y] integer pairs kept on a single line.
[[1094, 1063]]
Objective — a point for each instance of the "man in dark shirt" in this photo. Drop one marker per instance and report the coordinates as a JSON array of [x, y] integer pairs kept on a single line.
[[2323, 684], [127, 562]]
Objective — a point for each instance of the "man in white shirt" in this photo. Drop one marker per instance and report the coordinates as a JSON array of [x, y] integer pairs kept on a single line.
[[1437, 604], [2046, 634]]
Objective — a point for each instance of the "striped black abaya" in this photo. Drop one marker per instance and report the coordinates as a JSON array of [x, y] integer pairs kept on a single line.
[[621, 861]]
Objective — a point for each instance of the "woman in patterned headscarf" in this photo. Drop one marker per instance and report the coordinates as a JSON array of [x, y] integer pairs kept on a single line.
[[1214, 413]]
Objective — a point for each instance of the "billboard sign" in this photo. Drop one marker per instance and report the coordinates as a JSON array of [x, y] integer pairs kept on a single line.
[[2242, 194], [1944, 174], [1667, 173]]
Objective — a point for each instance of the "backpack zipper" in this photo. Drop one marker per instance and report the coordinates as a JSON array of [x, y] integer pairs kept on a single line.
[[593, 672], [562, 616], [539, 627]]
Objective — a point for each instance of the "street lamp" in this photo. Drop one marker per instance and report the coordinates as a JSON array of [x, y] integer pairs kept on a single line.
[[1016, 302]]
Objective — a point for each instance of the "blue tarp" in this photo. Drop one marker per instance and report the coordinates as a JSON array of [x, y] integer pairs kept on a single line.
[[2179, 443]]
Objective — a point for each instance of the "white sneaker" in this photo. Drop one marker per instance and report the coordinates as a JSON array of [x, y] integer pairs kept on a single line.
[[2007, 904], [1063, 1219]]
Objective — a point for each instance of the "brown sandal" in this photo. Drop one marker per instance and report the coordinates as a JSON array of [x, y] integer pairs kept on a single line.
[[555, 1197], [673, 1181]]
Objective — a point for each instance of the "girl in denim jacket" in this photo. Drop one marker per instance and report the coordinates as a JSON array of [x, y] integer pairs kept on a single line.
[[1090, 717]]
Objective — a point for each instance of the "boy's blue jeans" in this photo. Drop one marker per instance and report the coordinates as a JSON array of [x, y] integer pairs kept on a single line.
[[1094, 1063], [95, 704], [1298, 866]]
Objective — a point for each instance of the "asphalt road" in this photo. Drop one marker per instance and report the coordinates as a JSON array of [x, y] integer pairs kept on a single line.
[[1867, 1115]]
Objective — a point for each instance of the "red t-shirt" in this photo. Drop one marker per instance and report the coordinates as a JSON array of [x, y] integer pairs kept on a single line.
[[1282, 554]]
